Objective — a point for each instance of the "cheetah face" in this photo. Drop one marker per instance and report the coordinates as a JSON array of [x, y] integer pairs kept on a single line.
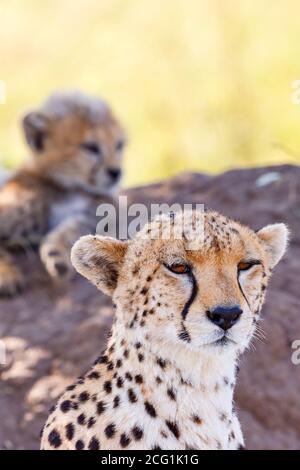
[[207, 299], [77, 142]]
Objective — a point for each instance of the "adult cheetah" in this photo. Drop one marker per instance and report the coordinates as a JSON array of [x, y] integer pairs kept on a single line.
[[184, 313]]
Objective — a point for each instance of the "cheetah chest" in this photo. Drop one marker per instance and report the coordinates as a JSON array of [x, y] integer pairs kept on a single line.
[[69, 206]]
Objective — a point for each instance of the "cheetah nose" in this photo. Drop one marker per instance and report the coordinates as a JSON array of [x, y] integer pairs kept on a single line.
[[225, 317], [114, 173]]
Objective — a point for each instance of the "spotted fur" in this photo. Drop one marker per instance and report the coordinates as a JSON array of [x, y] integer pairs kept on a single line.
[[166, 379]]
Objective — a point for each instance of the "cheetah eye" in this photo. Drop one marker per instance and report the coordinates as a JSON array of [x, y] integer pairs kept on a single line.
[[245, 265], [179, 268], [92, 147]]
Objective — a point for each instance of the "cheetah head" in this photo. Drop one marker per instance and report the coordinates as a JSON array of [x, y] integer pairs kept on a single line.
[[205, 296], [76, 142]]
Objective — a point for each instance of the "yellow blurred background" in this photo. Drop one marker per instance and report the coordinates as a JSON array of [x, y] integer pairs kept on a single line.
[[200, 84]]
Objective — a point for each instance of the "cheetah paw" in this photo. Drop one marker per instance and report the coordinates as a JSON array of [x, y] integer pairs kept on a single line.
[[12, 281], [57, 263]]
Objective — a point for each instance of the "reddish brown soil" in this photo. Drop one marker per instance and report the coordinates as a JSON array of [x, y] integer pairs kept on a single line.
[[53, 333]]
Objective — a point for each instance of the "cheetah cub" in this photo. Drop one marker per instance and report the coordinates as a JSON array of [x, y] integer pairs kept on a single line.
[[76, 146], [184, 313]]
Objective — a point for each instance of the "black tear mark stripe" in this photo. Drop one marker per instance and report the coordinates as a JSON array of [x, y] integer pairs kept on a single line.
[[192, 296], [243, 294]]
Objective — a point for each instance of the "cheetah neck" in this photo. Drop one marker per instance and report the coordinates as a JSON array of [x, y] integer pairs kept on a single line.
[[180, 383]]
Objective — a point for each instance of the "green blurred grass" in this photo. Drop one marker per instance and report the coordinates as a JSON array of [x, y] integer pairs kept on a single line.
[[200, 85]]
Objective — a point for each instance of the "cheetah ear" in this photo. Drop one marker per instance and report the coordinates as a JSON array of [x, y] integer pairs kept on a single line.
[[99, 259], [35, 126], [275, 240]]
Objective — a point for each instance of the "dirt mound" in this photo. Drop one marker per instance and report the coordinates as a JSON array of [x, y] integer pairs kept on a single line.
[[54, 333]]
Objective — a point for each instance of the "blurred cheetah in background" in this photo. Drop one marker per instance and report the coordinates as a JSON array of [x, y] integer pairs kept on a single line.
[[76, 148]]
